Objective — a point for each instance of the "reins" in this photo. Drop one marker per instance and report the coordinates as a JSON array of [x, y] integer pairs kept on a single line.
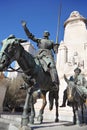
[[11, 69], [17, 70]]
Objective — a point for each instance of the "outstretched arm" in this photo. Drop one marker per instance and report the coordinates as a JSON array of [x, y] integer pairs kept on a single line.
[[28, 33]]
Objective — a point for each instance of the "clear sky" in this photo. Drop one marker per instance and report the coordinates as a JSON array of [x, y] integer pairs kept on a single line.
[[40, 15]]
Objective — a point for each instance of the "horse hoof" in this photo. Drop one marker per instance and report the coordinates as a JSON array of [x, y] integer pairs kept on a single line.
[[74, 123], [50, 107], [31, 121], [40, 119], [41, 122], [56, 120]]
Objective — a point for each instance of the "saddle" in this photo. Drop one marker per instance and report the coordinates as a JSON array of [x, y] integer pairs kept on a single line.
[[42, 63]]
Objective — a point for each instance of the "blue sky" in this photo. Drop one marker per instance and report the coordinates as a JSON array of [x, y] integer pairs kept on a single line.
[[40, 15]]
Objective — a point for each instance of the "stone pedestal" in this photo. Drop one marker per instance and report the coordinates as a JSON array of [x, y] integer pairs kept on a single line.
[[3, 89], [16, 127]]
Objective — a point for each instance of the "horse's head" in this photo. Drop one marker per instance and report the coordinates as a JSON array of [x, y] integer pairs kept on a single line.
[[9, 52], [71, 91]]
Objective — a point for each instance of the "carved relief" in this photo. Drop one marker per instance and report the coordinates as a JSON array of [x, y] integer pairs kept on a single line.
[[75, 60], [75, 14]]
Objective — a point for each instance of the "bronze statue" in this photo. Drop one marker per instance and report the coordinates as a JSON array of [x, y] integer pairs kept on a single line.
[[11, 51], [77, 101], [79, 81], [44, 54], [35, 93]]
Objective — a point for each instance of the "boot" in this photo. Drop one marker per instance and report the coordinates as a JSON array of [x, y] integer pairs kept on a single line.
[[64, 103], [64, 99], [55, 79]]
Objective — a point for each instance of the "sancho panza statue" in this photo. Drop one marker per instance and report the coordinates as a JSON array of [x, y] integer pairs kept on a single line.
[[46, 48]]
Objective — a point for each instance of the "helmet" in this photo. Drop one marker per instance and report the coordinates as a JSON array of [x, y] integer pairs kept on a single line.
[[46, 33], [11, 36], [77, 70]]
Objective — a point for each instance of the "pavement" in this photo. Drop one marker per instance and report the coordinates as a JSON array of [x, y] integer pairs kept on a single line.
[[47, 125], [58, 126], [7, 122]]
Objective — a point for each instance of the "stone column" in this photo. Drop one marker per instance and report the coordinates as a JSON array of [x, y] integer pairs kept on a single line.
[[85, 56], [61, 56]]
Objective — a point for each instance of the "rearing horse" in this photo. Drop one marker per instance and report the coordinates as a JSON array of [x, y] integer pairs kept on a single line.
[[14, 51], [34, 92]]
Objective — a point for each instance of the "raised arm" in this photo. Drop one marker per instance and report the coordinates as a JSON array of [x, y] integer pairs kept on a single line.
[[28, 33]]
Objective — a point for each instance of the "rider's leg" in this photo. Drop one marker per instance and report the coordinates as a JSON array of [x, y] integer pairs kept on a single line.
[[54, 77], [82, 90], [50, 66], [64, 98]]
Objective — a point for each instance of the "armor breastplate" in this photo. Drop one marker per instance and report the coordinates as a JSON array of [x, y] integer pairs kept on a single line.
[[45, 44]]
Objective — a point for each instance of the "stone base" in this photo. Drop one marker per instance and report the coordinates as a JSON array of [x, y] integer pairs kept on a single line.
[[16, 127], [3, 89]]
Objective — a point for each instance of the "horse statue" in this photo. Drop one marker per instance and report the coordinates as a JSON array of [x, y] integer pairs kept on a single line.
[[36, 93], [75, 100], [30, 65]]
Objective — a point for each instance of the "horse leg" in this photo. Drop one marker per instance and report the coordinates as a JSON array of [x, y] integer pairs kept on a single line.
[[51, 100], [74, 115], [82, 112], [40, 116], [32, 115], [25, 116], [56, 104]]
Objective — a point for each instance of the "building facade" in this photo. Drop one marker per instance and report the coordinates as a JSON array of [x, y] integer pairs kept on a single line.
[[72, 51]]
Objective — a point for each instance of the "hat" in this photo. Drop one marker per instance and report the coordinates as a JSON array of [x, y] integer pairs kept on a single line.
[[77, 69], [11, 36], [46, 33]]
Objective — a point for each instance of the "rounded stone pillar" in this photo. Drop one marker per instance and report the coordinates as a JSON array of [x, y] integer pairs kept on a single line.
[[61, 56]]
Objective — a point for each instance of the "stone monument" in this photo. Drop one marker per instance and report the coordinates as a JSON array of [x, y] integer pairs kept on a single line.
[[72, 51]]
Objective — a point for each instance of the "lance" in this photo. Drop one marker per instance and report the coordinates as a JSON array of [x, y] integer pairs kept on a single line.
[[58, 25], [58, 29]]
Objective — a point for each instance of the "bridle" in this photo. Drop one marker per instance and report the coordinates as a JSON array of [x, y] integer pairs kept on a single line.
[[11, 69], [71, 88]]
